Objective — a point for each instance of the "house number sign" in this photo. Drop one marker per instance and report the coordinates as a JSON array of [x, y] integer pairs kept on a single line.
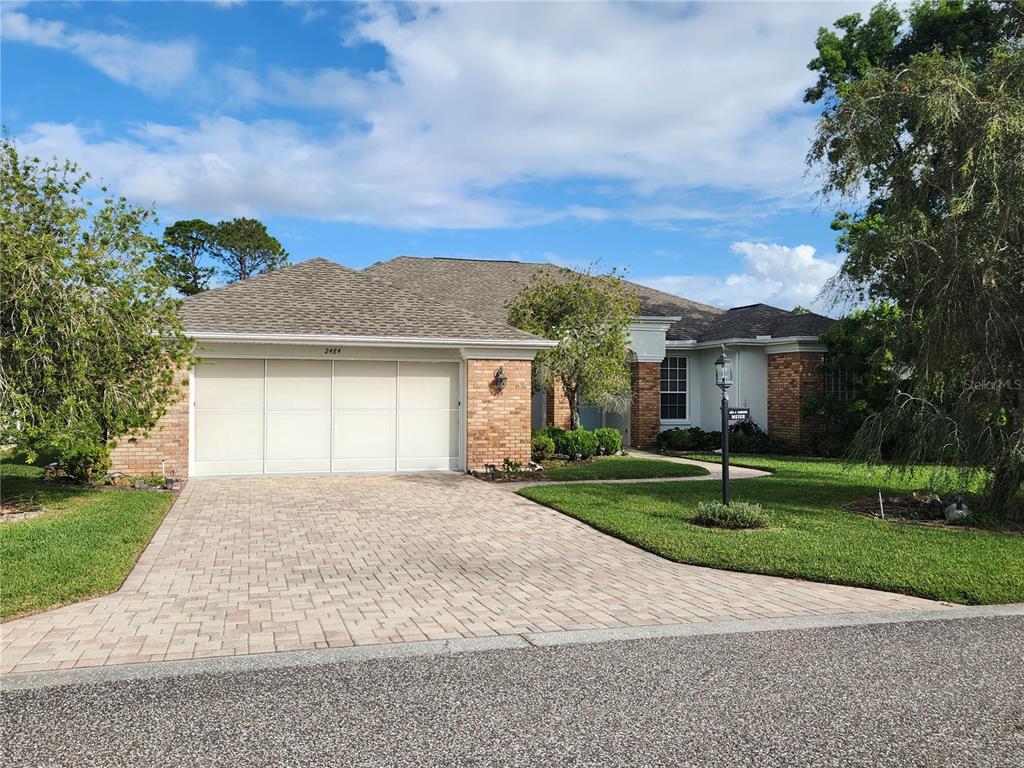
[[333, 350]]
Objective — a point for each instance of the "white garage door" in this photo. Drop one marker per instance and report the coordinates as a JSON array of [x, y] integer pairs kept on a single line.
[[288, 416]]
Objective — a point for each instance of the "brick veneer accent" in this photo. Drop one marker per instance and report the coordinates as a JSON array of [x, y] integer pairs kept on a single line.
[[164, 450], [557, 411], [791, 376], [497, 424], [645, 416]]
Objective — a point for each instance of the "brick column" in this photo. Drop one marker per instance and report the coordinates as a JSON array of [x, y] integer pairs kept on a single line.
[[645, 416], [556, 406], [165, 449], [791, 376], [497, 423]]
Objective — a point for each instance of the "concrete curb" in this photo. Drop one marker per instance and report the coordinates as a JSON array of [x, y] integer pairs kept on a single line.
[[524, 642]]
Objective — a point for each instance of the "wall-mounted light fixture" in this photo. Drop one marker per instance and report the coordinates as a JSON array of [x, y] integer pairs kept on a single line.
[[500, 379]]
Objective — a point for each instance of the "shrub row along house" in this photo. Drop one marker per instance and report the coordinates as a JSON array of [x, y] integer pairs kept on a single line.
[[409, 365]]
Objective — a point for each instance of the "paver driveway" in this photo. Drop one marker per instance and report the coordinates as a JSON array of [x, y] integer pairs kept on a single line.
[[263, 564]]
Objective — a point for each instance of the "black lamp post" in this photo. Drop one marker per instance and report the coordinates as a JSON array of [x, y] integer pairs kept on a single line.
[[723, 378]]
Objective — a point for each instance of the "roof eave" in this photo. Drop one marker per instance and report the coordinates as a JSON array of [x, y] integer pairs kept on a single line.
[[368, 341], [749, 340]]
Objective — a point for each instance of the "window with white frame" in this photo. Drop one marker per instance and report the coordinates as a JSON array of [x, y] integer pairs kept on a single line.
[[673, 388]]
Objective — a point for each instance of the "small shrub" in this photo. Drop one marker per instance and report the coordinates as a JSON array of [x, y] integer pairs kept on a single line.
[[778, 444], [677, 439], [542, 447], [511, 467], [609, 440], [747, 437], [81, 459], [556, 434], [830, 446], [739, 514], [711, 441], [578, 441]]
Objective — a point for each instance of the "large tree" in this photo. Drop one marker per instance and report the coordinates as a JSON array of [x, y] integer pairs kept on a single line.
[[90, 341], [245, 249], [185, 246], [588, 314], [922, 141], [863, 370]]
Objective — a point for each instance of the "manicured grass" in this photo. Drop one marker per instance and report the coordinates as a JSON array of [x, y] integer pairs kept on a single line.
[[809, 535], [622, 468], [84, 545]]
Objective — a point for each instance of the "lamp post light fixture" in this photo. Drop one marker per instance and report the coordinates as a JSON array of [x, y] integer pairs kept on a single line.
[[723, 378]]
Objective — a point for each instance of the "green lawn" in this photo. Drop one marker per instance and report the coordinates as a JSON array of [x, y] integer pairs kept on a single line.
[[622, 468], [810, 536], [84, 545]]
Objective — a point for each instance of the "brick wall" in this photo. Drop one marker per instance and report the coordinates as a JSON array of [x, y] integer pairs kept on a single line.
[[645, 417], [164, 450], [497, 424], [557, 408], [791, 375]]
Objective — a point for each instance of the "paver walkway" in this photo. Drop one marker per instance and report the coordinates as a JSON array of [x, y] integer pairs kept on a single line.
[[714, 473], [256, 565]]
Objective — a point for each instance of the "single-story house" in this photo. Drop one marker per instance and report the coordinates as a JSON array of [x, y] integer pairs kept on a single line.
[[409, 365]]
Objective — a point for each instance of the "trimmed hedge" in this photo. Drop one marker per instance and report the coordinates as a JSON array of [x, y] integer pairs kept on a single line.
[[580, 442], [744, 437], [574, 442]]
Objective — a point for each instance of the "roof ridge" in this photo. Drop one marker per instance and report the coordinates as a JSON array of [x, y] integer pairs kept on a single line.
[[271, 273], [544, 264], [701, 305], [468, 258]]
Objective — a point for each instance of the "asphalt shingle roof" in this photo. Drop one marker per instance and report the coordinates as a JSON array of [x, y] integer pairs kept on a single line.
[[483, 287], [321, 297], [764, 320]]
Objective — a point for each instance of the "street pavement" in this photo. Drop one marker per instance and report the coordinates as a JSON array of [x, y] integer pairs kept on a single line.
[[929, 693]]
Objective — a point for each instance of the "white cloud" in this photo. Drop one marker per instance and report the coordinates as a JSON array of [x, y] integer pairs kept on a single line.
[[146, 65], [224, 167], [654, 103], [774, 274]]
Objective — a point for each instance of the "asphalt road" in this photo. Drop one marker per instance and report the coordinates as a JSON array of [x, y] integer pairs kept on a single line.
[[939, 693]]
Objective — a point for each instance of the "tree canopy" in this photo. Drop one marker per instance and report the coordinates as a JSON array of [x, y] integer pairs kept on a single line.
[[241, 247], [588, 314], [90, 342], [245, 249], [185, 244], [863, 365], [922, 142]]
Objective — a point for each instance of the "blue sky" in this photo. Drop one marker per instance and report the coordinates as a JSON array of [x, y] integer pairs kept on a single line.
[[667, 139]]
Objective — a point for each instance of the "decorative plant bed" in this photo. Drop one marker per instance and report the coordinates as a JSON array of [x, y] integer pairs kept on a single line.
[[922, 508], [510, 472]]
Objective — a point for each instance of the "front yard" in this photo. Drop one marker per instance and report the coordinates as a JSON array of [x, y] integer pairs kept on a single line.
[[83, 542], [810, 536], [620, 468]]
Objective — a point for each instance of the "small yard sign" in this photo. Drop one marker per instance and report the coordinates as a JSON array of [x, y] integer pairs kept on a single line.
[[739, 414]]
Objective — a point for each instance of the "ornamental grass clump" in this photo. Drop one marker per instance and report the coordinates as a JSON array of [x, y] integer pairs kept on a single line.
[[738, 514]]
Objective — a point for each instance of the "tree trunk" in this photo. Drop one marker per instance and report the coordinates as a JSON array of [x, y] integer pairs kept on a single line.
[[574, 406], [1006, 481]]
